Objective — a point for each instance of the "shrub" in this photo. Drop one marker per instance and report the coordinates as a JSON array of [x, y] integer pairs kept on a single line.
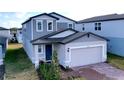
[[50, 71]]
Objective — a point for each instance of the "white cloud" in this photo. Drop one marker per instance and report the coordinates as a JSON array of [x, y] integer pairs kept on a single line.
[[75, 9], [20, 14], [11, 23], [6, 16]]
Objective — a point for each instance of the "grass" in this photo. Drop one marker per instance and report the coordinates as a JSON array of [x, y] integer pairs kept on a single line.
[[116, 61], [18, 65]]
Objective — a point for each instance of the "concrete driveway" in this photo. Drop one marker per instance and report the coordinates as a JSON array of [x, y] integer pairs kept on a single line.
[[101, 71]]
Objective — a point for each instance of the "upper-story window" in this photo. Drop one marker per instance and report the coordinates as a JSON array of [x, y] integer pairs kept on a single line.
[[70, 26], [39, 25], [98, 26], [49, 25], [83, 28]]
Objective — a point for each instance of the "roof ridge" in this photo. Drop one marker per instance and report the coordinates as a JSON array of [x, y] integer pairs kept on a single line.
[[106, 17], [39, 15], [63, 16], [54, 33]]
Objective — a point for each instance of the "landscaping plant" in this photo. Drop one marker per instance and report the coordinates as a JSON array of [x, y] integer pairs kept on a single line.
[[50, 71]]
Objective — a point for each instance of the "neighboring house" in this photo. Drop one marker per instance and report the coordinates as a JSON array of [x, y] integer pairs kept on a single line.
[[44, 33], [19, 35], [13, 32], [2, 66], [4, 36], [110, 26], [1, 56]]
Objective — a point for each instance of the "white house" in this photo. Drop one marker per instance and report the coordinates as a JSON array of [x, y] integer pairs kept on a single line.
[[109, 26], [19, 35], [44, 33]]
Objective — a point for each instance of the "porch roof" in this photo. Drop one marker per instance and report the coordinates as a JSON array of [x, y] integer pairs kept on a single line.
[[63, 40]]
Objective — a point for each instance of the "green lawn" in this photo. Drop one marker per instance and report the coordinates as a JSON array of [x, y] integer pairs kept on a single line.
[[18, 65], [116, 61]]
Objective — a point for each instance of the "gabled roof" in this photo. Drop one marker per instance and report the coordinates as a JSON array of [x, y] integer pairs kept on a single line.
[[109, 17], [2, 28], [63, 16], [66, 39], [53, 33], [40, 15]]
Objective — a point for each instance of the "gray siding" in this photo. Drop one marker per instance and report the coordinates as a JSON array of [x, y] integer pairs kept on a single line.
[[27, 31], [39, 34], [62, 26]]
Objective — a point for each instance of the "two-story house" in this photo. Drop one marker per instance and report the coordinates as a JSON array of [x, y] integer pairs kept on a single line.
[[44, 33], [110, 26]]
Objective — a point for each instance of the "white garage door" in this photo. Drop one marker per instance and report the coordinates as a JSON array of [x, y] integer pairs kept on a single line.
[[86, 56]]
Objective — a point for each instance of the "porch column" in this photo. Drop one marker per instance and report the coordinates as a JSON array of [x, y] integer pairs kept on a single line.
[[36, 56]]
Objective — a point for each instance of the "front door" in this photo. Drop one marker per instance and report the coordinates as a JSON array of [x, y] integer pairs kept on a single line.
[[48, 52]]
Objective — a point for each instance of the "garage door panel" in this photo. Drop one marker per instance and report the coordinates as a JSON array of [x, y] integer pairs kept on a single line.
[[85, 56]]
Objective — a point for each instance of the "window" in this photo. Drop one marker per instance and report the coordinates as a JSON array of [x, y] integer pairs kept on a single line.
[[50, 25], [83, 28], [70, 26], [39, 25], [98, 26], [40, 49]]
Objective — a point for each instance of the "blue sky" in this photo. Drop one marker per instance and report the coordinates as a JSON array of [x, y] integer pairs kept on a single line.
[[14, 19]]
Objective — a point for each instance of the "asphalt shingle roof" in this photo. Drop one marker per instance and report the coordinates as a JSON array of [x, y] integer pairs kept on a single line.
[[103, 18], [2, 28], [40, 15], [66, 39]]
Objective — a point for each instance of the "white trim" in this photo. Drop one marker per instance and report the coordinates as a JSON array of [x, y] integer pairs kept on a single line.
[[32, 29], [47, 25], [45, 51], [56, 26], [37, 25], [1, 61], [41, 49], [89, 46]]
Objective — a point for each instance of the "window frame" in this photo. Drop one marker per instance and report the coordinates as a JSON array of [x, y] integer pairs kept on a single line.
[[98, 26], [70, 24], [37, 21], [41, 46], [48, 25]]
